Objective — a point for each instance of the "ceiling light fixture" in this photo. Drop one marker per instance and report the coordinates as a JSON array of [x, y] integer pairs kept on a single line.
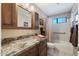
[[32, 8], [27, 5]]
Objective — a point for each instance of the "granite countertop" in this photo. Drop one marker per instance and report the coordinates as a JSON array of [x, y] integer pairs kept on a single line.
[[17, 46]]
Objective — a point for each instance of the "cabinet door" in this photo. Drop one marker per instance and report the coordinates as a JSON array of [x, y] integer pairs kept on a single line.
[[43, 48], [35, 20], [8, 15], [33, 51], [44, 52]]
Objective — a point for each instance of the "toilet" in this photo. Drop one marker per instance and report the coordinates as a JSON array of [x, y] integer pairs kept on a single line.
[[62, 48], [52, 51], [50, 48]]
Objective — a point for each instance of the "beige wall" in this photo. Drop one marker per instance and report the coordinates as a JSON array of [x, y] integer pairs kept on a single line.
[[17, 32]]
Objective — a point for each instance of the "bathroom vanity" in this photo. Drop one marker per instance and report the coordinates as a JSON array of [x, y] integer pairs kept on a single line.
[[40, 49], [26, 47]]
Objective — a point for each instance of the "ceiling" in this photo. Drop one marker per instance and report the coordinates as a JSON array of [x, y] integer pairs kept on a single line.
[[54, 8]]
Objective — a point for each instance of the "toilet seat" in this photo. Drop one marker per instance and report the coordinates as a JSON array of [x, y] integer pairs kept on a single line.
[[50, 45]]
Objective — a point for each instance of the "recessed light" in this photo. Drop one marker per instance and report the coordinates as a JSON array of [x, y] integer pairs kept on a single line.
[[27, 5], [32, 8]]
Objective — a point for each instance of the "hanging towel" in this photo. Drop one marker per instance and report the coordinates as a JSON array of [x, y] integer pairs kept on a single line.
[[74, 35]]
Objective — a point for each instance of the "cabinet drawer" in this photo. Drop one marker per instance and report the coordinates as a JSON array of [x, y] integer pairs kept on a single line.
[[33, 51], [43, 52]]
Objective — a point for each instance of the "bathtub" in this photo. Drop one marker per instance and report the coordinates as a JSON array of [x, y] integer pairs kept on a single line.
[[62, 48]]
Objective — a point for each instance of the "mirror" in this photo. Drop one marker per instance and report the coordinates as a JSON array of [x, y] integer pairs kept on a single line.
[[24, 17]]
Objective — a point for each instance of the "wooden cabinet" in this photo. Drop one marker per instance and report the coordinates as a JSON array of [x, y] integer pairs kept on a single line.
[[35, 20], [43, 48], [8, 15]]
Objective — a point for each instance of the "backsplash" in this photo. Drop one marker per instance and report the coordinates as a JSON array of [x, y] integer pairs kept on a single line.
[[6, 33]]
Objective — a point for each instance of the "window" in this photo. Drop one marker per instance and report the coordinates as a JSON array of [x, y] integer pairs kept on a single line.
[[55, 21], [60, 20]]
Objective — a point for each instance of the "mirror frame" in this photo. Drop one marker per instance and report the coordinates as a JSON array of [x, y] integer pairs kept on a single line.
[[31, 18]]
